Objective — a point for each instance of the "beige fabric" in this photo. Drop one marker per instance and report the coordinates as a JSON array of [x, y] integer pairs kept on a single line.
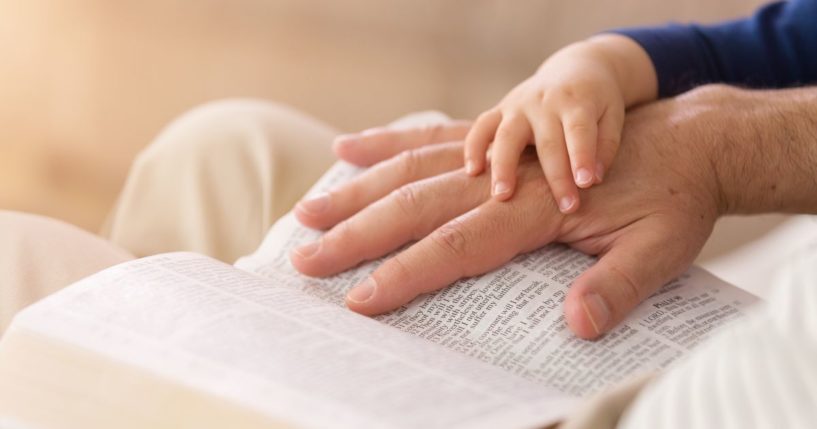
[[212, 182], [39, 255], [215, 180]]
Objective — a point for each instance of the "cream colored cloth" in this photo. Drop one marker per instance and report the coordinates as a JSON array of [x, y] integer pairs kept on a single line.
[[212, 182], [39, 255], [216, 179]]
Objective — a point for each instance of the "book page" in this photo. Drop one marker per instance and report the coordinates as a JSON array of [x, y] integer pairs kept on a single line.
[[276, 350], [513, 317]]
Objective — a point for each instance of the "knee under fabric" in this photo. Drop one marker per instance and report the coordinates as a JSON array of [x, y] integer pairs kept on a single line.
[[39, 256]]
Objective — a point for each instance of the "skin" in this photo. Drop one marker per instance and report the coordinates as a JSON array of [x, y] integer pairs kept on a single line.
[[683, 162], [572, 109]]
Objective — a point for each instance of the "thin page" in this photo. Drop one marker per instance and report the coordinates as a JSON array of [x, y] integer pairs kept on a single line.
[[512, 318], [276, 350]]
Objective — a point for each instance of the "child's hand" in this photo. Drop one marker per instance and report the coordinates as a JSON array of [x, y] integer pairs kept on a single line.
[[572, 109]]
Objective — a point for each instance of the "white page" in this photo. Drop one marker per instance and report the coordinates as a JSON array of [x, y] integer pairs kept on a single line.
[[279, 351], [513, 317]]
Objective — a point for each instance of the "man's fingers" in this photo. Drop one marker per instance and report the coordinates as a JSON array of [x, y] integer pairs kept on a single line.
[[512, 136], [474, 243], [327, 209], [636, 265], [372, 146], [581, 135], [405, 215], [550, 147], [610, 125], [478, 139]]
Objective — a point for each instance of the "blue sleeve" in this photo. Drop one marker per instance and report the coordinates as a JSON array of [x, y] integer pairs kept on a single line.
[[775, 48]]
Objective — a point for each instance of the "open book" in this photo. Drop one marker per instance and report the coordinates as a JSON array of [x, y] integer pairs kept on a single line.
[[181, 340]]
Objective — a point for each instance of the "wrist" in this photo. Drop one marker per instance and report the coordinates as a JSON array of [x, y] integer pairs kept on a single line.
[[630, 64], [762, 146]]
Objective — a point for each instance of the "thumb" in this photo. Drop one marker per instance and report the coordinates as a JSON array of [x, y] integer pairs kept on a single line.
[[639, 262]]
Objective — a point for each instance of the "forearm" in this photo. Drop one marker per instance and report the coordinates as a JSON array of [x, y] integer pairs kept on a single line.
[[764, 152]]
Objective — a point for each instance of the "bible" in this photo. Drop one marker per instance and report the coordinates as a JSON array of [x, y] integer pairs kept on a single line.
[[184, 341]]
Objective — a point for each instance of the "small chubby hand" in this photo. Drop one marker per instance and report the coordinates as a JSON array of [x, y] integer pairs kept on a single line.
[[572, 109]]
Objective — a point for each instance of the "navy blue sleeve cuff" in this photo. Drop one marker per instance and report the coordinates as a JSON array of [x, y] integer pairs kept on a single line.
[[680, 57], [774, 48]]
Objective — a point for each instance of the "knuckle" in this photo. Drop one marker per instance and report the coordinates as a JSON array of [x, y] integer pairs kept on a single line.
[[560, 93], [402, 272], [567, 92], [611, 142], [629, 290], [408, 163], [451, 239], [579, 126], [505, 134], [547, 97], [406, 198], [432, 132]]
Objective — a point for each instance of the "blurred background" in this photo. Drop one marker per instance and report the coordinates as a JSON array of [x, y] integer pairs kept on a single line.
[[85, 84]]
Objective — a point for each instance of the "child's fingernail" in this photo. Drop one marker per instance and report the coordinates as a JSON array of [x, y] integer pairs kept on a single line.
[[470, 167], [584, 177], [501, 188], [566, 203], [599, 172]]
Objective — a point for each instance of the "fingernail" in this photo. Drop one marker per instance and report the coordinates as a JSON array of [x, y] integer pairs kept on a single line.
[[501, 188], [308, 249], [316, 204], [584, 177], [362, 292], [566, 203], [470, 167], [599, 172], [597, 311]]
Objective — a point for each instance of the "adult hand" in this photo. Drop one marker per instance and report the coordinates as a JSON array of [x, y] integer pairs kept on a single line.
[[647, 222]]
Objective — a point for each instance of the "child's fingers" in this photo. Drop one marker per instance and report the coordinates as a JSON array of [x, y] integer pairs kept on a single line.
[[610, 126], [512, 136], [550, 146], [581, 134], [479, 138]]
